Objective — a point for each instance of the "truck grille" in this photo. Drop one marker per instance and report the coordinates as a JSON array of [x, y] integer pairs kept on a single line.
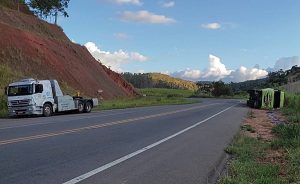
[[20, 102]]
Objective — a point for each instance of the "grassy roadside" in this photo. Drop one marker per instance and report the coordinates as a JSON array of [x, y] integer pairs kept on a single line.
[[275, 159], [152, 97], [3, 107], [142, 102]]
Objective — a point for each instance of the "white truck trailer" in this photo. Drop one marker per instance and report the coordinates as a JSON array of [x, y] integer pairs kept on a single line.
[[43, 97]]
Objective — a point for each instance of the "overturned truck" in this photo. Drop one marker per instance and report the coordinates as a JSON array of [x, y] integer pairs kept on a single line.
[[265, 98]]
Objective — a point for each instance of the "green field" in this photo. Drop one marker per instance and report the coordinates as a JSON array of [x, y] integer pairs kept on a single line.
[[162, 92], [151, 97]]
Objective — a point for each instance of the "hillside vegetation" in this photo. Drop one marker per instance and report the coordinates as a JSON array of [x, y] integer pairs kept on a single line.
[[158, 80], [7, 75]]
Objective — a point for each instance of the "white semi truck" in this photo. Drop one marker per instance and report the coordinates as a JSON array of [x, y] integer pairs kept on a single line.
[[43, 97]]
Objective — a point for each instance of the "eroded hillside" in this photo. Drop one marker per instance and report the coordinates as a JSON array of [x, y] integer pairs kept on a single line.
[[35, 48]]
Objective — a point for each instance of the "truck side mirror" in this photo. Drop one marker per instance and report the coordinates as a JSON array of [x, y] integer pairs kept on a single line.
[[6, 92], [39, 88]]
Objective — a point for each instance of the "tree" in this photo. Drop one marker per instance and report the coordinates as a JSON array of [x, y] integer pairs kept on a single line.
[[277, 78], [220, 88], [44, 8]]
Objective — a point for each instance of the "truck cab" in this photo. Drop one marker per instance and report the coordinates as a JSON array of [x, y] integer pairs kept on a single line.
[[43, 97]]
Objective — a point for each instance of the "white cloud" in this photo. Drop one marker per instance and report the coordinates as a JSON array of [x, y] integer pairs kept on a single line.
[[135, 56], [168, 4], [188, 74], [140, 71], [116, 59], [121, 36], [286, 63], [134, 2], [216, 70], [213, 25], [144, 16], [243, 74]]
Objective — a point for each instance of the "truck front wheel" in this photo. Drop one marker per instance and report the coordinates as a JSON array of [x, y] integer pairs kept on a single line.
[[47, 110]]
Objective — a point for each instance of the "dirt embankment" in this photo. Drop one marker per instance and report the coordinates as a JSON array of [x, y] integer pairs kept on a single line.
[[41, 50]]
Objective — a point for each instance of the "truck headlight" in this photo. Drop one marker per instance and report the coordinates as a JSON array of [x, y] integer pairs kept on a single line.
[[31, 102]]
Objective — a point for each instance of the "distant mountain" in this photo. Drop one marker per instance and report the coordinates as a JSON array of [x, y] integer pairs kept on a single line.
[[33, 48], [158, 80], [251, 84]]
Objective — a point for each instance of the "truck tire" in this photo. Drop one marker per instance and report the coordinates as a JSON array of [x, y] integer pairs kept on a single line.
[[80, 107], [88, 107], [47, 110]]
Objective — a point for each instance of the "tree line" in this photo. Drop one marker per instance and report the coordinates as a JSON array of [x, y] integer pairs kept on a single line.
[[157, 80]]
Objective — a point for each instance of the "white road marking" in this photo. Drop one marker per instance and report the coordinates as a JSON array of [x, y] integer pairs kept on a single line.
[[124, 158]]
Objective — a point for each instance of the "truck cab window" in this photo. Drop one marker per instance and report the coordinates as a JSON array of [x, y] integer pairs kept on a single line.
[[39, 88], [20, 90]]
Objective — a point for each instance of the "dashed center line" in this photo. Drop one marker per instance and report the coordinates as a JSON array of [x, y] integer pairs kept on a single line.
[[76, 130]]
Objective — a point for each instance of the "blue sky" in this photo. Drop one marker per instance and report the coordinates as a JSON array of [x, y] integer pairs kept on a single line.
[[191, 39]]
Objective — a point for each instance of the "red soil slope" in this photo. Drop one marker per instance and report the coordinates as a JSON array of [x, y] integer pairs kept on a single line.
[[41, 50]]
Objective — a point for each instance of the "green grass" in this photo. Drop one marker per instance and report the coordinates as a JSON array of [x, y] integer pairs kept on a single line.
[[254, 173], [245, 168], [3, 106], [162, 92], [208, 95], [142, 102], [248, 128], [288, 137], [293, 170], [7, 75], [152, 97]]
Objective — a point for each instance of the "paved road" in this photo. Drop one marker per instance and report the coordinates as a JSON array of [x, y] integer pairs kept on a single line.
[[166, 144]]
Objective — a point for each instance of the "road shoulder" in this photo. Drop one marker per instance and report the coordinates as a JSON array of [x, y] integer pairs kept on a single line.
[[260, 153]]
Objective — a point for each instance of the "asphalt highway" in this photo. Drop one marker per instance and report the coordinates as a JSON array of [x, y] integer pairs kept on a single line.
[[177, 144]]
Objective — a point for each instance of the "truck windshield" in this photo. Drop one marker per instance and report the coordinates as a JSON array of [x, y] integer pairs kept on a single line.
[[20, 90]]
